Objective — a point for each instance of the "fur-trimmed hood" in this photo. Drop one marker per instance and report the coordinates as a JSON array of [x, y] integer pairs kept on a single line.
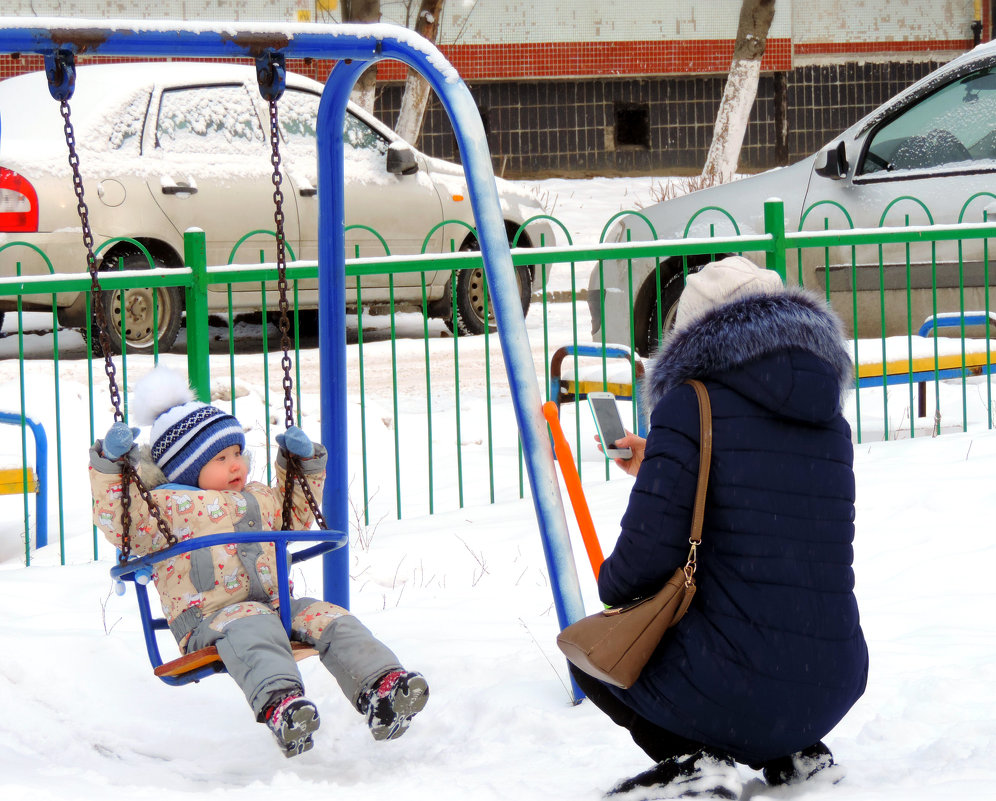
[[748, 343]]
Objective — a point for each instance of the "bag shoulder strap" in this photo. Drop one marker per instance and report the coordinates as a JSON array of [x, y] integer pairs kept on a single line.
[[705, 458]]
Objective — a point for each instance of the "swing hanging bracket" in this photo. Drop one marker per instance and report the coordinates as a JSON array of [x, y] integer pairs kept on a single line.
[[60, 69], [271, 74]]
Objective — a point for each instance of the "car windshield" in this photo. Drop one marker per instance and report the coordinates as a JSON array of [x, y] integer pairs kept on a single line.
[[299, 124], [956, 125], [365, 148]]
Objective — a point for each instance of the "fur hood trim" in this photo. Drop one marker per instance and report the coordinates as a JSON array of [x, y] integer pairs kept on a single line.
[[745, 329]]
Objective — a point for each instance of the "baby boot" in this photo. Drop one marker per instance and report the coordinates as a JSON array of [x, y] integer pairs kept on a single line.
[[292, 721], [392, 702]]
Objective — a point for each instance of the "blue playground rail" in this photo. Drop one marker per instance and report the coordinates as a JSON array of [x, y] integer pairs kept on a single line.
[[41, 471]]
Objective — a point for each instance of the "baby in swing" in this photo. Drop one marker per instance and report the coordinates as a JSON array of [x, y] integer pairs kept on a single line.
[[227, 595]]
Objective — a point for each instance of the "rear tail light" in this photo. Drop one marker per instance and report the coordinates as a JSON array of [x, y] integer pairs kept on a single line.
[[18, 203]]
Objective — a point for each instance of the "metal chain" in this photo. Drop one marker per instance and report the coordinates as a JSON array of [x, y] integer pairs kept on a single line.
[[294, 471], [278, 219], [126, 476], [96, 293], [129, 475]]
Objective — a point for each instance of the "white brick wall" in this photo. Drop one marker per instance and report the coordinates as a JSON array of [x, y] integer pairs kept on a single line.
[[531, 21]]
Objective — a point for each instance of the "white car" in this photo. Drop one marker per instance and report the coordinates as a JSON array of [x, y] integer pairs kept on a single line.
[[927, 156], [168, 146]]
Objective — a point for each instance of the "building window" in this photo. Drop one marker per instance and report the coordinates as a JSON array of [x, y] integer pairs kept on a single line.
[[632, 125]]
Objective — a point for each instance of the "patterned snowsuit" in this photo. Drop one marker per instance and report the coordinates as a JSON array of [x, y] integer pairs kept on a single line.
[[227, 595]]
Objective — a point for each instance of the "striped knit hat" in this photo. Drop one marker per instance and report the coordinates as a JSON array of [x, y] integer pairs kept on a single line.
[[186, 434]]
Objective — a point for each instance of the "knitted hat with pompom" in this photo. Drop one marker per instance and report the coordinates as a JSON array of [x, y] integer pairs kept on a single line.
[[186, 433]]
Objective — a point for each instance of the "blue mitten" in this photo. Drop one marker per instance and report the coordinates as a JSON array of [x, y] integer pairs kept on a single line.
[[119, 440], [295, 441]]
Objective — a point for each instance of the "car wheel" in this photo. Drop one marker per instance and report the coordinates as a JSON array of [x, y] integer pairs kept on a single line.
[[140, 329], [307, 321], [469, 317], [648, 335]]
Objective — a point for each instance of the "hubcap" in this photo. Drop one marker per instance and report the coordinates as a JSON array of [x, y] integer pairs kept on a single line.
[[476, 294], [139, 321]]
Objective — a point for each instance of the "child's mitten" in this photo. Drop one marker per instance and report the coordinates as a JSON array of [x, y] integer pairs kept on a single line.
[[119, 440], [295, 441]]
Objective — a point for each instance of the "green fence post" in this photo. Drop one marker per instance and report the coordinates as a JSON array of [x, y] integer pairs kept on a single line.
[[198, 369], [774, 225]]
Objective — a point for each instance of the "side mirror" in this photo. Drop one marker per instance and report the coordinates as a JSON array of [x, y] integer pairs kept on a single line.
[[401, 159], [832, 162]]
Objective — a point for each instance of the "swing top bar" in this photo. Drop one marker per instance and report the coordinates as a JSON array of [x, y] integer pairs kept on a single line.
[[145, 38]]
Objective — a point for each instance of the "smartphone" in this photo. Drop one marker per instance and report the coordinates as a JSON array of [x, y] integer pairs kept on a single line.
[[609, 424]]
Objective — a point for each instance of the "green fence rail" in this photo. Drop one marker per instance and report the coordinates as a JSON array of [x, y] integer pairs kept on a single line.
[[436, 379]]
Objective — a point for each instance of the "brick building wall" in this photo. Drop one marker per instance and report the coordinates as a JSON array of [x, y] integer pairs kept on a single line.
[[565, 88]]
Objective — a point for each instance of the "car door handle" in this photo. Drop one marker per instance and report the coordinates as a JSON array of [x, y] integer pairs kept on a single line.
[[179, 189], [307, 191]]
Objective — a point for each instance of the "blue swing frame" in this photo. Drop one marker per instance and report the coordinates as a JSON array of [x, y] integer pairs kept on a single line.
[[355, 47]]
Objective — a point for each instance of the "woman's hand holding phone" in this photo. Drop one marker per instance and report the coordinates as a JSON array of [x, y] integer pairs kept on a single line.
[[636, 444]]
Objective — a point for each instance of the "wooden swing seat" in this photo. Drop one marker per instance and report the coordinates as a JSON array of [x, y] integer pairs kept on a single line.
[[207, 656]]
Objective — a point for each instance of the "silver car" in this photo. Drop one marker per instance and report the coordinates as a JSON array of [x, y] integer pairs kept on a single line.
[[168, 146], [927, 156]]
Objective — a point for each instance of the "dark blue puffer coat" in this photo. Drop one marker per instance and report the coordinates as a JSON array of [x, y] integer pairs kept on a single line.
[[771, 655]]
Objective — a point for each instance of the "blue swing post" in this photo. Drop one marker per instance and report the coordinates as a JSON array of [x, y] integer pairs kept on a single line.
[[356, 47]]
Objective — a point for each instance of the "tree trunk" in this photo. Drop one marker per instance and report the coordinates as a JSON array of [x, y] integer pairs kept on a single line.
[[364, 92], [416, 96], [741, 89]]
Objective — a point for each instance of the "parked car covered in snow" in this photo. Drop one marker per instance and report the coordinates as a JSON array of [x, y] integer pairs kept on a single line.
[[168, 146], [927, 156]]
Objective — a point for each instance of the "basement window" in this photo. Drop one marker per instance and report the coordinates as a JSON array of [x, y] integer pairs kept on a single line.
[[632, 125]]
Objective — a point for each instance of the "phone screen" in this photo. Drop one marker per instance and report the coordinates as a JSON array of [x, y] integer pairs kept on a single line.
[[610, 427]]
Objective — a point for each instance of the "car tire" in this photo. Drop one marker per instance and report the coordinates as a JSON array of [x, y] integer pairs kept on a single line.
[[140, 332], [647, 340], [307, 322], [469, 316]]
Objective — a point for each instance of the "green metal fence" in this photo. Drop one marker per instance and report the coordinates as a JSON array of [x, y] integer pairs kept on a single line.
[[447, 391]]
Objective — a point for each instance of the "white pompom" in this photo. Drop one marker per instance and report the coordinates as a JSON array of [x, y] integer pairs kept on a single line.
[[156, 392]]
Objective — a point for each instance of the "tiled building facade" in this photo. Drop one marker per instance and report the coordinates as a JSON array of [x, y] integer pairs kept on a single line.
[[579, 87]]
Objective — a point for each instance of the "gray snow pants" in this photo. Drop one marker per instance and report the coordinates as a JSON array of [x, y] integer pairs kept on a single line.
[[256, 652]]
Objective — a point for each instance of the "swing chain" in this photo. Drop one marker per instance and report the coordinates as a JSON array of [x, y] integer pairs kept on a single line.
[[271, 76], [129, 475], [62, 73], [278, 219], [96, 293], [295, 473]]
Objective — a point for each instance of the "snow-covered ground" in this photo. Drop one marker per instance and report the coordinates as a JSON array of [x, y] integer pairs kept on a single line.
[[464, 597]]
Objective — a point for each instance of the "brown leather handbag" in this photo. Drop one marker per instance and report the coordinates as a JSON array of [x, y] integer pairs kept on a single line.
[[614, 645]]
